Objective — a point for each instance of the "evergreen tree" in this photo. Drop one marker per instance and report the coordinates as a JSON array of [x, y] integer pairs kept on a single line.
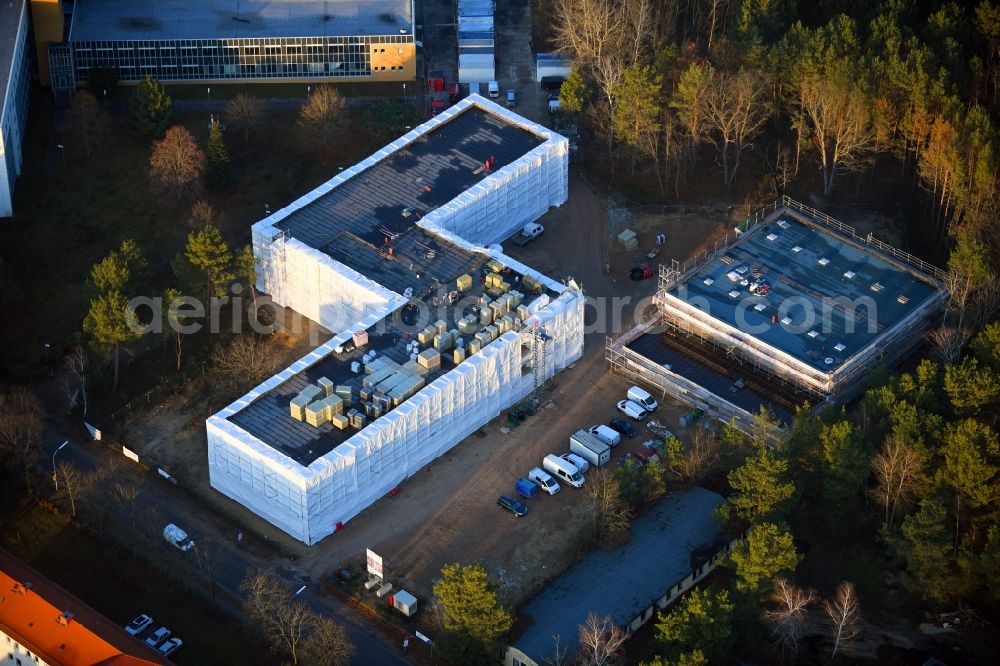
[[846, 464], [767, 552], [246, 269], [209, 253], [700, 623], [572, 93], [218, 157], [471, 610], [149, 109], [111, 322], [761, 485], [926, 547]]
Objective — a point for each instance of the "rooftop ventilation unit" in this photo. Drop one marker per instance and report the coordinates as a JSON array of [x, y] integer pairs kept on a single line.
[[797, 248], [902, 300], [813, 334], [877, 287], [849, 275], [759, 307], [840, 346], [772, 237], [708, 282], [823, 261], [786, 320], [783, 224], [734, 294]]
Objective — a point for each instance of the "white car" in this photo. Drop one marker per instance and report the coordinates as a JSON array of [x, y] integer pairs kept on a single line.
[[157, 637], [170, 646], [576, 460], [631, 410], [544, 480], [138, 625]]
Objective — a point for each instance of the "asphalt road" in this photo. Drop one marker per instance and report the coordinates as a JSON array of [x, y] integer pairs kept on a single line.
[[178, 507]]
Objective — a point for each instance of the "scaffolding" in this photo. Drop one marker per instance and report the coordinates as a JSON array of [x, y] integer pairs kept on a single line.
[[635, 367]]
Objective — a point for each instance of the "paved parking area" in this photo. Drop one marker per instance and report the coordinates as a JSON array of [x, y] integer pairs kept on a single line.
[[516, 68]]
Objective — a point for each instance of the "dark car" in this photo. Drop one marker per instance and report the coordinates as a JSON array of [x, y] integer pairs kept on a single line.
[[624, 427], [512, 505]]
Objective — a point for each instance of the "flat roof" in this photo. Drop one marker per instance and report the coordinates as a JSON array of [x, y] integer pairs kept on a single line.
[[268, 418], [805, 268], [625, 581], [390, 196], [114, 20], [10, 14], [658, 348], [30, 616]]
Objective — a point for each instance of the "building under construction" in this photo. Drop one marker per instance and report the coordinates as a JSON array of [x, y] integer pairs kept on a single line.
[[791, 307]]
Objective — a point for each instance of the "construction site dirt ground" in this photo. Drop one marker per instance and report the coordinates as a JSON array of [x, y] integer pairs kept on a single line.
[[447, 511]]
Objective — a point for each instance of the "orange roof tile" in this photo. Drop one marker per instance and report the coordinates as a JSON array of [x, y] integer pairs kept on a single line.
[[34, 616]]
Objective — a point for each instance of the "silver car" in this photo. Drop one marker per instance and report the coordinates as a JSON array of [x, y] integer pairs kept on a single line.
[[157, 637], [138, 625]]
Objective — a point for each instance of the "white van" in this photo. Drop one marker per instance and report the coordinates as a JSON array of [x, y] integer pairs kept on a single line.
[[494, 89], [607, 435], [636, 394], [544, 481], [563, 470]]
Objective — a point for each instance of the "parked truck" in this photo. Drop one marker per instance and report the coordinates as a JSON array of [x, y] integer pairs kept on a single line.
[[528, 233], [590, 448]]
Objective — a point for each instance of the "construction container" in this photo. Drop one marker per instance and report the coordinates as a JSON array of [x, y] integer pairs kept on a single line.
[[358, 422], [486, 316], [458, 355], [495, 266], [339, 421], [440, 326], [366, 393], [405, 603], [297, 407], [464, 282], [531, 284], [325, 384], [344, 392], [494, 332], [473, 346], [522, 312]]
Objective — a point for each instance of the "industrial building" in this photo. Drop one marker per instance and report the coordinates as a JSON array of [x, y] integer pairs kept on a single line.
[[41, 623], [15, 91], [437, 330], [649, 573], [233, 41], [792, 307]]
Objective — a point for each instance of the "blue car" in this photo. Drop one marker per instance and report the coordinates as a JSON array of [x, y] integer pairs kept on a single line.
[[512, 505]]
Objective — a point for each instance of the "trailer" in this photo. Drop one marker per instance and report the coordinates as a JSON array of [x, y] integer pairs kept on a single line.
[[476, 68], [590, 448]]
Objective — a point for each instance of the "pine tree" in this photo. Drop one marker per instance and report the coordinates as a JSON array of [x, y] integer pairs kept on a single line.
[[701, 623], [208, 252], [246, 269], [767, 551], [471, 609], [218, 157], [111, 321], [149, 109]]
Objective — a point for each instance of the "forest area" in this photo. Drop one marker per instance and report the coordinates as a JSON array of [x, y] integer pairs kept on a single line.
[[887, 508]]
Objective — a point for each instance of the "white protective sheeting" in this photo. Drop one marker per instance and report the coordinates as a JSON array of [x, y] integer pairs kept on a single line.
[[476, 67], [308, 502]]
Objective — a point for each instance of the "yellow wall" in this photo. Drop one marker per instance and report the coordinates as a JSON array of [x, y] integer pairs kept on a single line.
[[401, 56], [47, 17]]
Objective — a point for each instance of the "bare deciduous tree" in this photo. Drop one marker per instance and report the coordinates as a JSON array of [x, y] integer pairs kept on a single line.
[[126, 494], [87, 124], [21, 431], [246, 359], [736, 107], [948, 342], [558, 657], [244, 112], [600, 641], [788, 618], [604, 504], [290, 627], [177, 163], [203, 214], [844, 615], [839, 124], [897, 469], [210, 555], [327, 643], [324, 115], [72, 484], [74, 378]]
